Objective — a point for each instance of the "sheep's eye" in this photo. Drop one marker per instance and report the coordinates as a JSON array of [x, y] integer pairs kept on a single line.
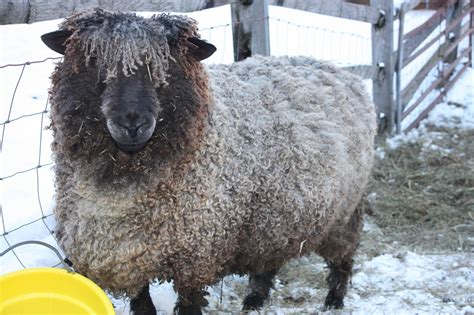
[[101, 79], [92, 61]]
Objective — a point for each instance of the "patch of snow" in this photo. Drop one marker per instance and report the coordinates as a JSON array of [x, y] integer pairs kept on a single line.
[[414, 283], [405, 283], [458, 109], [380, 153], [395, 141], [371, 198]]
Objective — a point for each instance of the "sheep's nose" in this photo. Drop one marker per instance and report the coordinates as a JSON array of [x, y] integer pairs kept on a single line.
[[133, 131], [132, 122]]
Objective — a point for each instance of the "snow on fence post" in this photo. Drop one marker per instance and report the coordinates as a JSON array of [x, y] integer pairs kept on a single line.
[[383, 64], [250, 28]]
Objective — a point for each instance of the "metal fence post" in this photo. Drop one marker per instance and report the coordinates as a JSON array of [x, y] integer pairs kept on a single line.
[[399, 68], [250, 29], [383, 64], [471, 40]]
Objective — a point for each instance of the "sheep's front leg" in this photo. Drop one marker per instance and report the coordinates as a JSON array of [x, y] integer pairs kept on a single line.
[[190, 302], [259, 284], [142, 303]]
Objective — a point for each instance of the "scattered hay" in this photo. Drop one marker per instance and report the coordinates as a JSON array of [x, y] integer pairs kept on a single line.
[[422, 193]]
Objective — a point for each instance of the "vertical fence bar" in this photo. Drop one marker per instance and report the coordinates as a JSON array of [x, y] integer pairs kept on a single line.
[[453, 10], [250, 29], [399, 67], [383, 65], [471, 25]]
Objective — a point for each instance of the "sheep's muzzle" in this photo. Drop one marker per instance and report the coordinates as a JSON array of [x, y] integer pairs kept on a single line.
[[131, 148], [131, 131]]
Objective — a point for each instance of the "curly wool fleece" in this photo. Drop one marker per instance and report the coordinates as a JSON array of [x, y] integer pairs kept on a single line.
[[286, 152], [126, 41]]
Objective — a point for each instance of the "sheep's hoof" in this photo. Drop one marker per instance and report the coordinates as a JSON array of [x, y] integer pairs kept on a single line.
[[187, 310], [333, 301], [142, 304], [190, 303], [253, 302]]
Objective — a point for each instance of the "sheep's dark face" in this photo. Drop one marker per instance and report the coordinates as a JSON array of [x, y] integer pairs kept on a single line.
[[131, 106], [130, 100]]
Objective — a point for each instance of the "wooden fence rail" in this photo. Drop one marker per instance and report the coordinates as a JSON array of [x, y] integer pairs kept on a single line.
[[30, 11], [446, 57]]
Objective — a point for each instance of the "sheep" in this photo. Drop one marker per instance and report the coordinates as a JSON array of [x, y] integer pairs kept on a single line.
[[168, 171]]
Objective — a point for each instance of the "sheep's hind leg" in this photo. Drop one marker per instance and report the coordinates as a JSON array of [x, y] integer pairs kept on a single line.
[[338, 251], [142, 304], [260, 284], [337, 280]]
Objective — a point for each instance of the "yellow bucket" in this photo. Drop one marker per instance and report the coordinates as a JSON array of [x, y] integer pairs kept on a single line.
[[51, 291]]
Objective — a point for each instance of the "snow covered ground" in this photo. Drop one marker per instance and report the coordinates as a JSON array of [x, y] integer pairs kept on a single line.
[[402, 283], [397, 281]]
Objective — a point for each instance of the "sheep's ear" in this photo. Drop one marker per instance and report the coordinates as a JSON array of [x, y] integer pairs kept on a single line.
[[56, 40], [200, 49]]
